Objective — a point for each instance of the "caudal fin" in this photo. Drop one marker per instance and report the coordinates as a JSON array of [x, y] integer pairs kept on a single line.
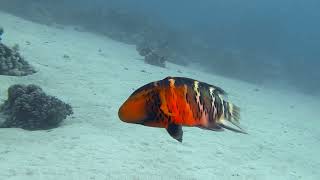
[[231, 118]]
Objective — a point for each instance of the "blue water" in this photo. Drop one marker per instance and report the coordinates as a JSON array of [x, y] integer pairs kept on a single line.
[[264, 53], [262, 34]]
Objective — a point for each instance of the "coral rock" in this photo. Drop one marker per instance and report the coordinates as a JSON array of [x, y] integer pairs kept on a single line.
[[151, 56], [28, 107], [12, 64]]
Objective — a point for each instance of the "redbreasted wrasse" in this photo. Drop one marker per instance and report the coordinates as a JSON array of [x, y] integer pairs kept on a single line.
[[177, 101]]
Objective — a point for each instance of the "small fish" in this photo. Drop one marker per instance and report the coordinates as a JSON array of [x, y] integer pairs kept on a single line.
[[177, 101]]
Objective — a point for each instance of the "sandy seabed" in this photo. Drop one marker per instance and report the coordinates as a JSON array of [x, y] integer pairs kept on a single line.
[[96, 74]]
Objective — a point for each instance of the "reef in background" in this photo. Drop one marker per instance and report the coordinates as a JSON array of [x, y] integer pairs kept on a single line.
[[152, 55], [248, 54], [28, 107]]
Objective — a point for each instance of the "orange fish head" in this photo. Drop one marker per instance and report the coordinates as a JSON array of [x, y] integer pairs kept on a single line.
[[135, 108]]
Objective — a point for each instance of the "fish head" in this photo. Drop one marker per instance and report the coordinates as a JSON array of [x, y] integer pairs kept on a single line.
[[136, 109]]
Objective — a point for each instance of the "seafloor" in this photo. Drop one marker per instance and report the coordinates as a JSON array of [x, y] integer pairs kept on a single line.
[[96, 74]]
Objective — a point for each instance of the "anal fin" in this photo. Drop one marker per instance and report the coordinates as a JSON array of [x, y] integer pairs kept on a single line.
[[175, 131], [230, 126], [214, 128]]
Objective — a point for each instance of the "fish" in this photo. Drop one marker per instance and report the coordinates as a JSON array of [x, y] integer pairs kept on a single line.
[[174, 102]]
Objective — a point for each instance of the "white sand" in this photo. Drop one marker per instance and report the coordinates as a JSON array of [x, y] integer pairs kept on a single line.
[[283, 141]]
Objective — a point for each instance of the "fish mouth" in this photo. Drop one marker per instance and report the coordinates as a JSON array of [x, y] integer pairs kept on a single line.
[[122, 114]]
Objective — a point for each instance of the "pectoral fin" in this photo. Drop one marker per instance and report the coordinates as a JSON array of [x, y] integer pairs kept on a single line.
[[175, 131]]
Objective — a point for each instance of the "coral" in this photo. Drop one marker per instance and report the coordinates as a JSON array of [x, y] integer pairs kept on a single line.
[[143, 51], [12, 64], [1, 32], [155, 59], [151, 56], [28, 107]]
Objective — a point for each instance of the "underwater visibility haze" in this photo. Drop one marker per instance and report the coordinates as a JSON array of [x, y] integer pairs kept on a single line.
[[147, 89]]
